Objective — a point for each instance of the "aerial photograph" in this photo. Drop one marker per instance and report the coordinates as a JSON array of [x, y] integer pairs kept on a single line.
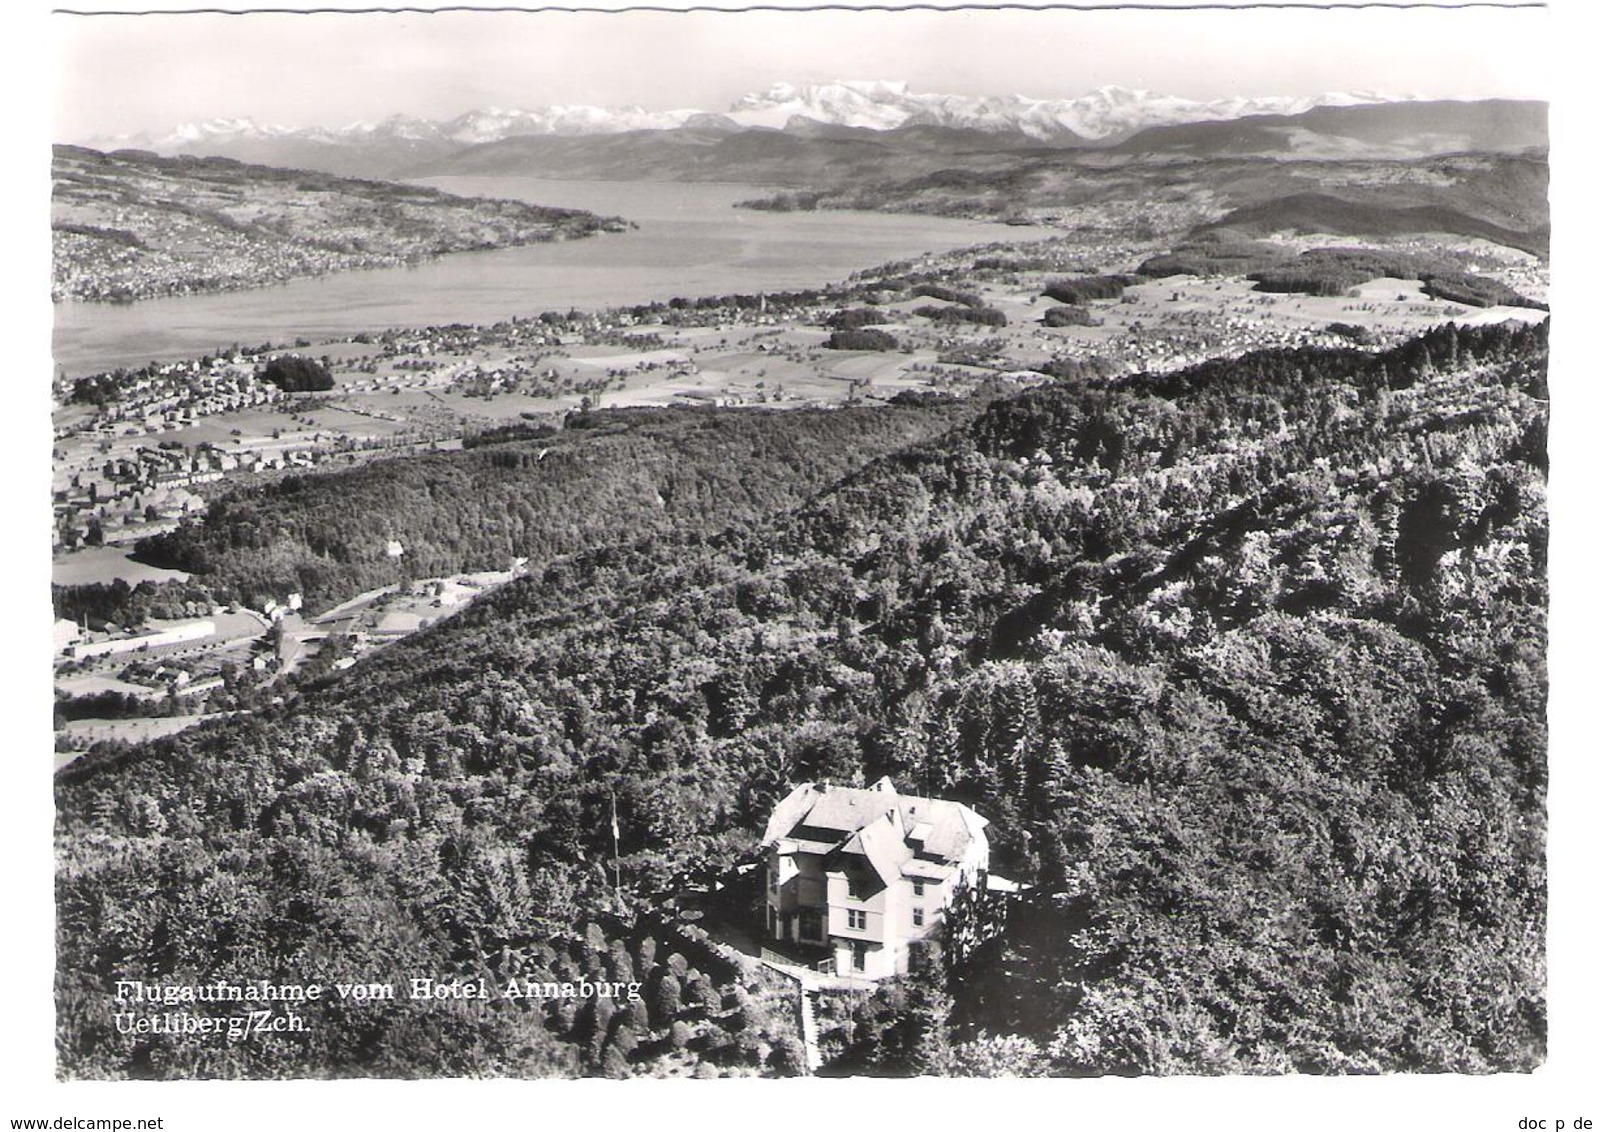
[[821, 543]]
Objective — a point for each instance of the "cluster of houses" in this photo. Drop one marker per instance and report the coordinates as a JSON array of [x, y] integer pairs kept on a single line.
[[143, 491], [1177, 348], [170, 395], [182, 257]]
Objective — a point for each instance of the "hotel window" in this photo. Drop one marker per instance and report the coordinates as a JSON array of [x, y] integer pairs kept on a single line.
[[856, 919], [859, 955], [918, 917], [773, 879], [918, 888]]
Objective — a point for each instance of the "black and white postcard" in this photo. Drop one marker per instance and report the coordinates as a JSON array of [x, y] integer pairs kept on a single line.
[[801, 543]]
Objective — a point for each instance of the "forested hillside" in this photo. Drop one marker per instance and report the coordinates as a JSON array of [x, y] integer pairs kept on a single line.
[[1244, 663], [610, 475]]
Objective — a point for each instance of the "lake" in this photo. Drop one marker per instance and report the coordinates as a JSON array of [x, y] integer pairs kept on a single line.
[[690, 242]]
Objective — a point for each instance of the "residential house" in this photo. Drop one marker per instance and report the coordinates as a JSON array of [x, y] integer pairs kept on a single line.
[[857, 875]]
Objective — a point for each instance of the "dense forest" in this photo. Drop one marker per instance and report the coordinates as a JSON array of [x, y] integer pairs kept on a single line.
[[608, 474], [1245, 664]]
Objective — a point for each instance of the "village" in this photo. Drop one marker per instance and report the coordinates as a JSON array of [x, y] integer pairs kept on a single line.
[[129, 225], [174, 673], [100, 268]]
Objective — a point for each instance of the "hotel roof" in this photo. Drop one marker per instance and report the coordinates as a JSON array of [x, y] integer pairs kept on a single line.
[[898, 834]]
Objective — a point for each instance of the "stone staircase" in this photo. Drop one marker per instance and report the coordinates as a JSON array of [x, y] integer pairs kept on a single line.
[[809, 1029]]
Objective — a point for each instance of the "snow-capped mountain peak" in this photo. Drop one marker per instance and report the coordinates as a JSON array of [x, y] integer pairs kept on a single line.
[[1106, 113], [192, 132], [873, 105]]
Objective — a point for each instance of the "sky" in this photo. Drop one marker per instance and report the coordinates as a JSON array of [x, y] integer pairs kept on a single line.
[[123, 74]]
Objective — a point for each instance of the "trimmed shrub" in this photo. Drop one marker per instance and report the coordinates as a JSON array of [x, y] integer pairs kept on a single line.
[[295, 374], [862, 339], [979, 316], [1069, 316], [853, 319], [665, 999], [1088, 288]]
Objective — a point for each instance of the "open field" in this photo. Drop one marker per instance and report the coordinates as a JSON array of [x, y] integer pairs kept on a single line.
[[85, 733], [99, 683], [106, 564]]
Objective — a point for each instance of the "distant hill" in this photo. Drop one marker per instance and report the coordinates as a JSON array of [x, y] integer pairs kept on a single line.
[[821, 155], [1319, 212], [877, 142], [808, 155], [378, 156], [1394, 129], [1464, 168], [1499, 197], [131, 225]]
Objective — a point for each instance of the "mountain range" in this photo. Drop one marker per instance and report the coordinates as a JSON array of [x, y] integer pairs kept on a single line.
[[395, 144]]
